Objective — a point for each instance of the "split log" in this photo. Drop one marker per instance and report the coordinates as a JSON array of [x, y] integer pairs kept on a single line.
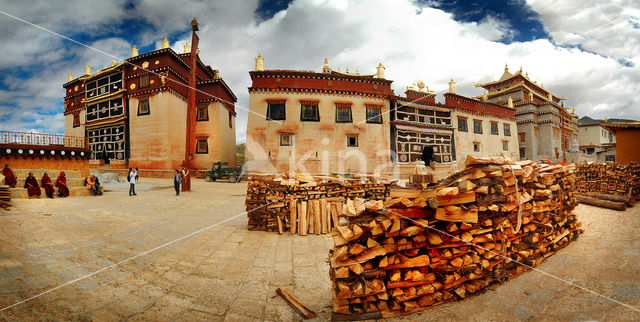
[[628, 200], [295, 303], [615, 205]]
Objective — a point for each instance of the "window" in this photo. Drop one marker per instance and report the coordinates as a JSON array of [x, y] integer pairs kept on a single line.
[[105, 85], [476, 147], [144, 80], [343, 114], [507, 130], [535, 130], [521, 136], [230, 120], [276, 111], [78, 100], [462, 124], [352, 140], [494, 128], [309, 111], [522, 153], [505, 145], [201, 146], [477, 126], [610, 158], [286, 139], [374, 114], [76, 120], [202, 113], [143, 107]]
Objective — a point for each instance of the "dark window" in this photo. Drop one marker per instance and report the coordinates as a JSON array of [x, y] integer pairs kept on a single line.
[[309, 111], [374, 114], [476, 147], [143, 107], [521, 136], [203, 113], [230, 120], [477, 126], [286, 139], [352, 140], [505, 145], [343, 114], [522, 153], [144, 80], [494, 128], [507, 130], [78, 100], [76, 120], [201, 146], [276, 111], [610, 158], [462, 124]]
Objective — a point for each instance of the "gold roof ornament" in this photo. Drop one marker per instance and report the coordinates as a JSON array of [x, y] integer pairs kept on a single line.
[[87, 70], [452, 87], [531, 96], [510, 102], [165, 43], [70, 77], [198, 51], [134, 51], [485, 96], [112, 63], [506, 74], [420, 85], [259, 63], [549, 96], [380, 71], [347, 69], [325, 68], [187, 48]]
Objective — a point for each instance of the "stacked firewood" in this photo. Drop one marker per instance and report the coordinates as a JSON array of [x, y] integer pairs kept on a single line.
[[425, 247], [609, 178], [5, 197], [305, 204]]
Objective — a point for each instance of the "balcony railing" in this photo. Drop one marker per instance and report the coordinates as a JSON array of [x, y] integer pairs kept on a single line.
[[43, 139]]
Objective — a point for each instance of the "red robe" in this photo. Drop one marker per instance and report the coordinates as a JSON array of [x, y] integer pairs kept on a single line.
[[46, 184], [32, 186], [9, 178], [61, 183]]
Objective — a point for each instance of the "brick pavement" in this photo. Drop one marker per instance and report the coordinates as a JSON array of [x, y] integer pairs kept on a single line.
[[229, 273]]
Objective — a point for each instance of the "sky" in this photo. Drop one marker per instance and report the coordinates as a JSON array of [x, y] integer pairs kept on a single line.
[[587, 51]]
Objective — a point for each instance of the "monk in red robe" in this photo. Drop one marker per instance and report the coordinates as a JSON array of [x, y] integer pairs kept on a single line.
[[46, 184], [32, 186], [61, 183], [9, 178]]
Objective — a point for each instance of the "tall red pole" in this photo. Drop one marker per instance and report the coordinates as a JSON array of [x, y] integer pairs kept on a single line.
[[191, 109]]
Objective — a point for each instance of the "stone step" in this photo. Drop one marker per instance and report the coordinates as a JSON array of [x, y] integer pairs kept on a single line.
[[71, 182], [38, 173], [21, 193]]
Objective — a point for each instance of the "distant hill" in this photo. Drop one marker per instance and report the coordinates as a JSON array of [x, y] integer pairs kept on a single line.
[[585, 120], [240, 150]]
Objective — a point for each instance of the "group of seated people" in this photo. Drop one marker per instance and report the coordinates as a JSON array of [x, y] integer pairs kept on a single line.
[[33, 189]]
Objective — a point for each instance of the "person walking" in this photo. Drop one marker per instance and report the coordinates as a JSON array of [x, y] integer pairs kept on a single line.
[[177, 179], [132, 182]]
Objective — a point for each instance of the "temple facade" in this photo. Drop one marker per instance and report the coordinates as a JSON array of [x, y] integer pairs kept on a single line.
[[134, 113], [318, 122], [545, 127]]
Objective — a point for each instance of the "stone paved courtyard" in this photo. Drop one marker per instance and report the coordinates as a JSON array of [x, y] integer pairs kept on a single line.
[[225, 272]]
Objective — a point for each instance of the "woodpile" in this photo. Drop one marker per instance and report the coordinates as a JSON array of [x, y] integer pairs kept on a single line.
[[306, 204], [609, 178], [423, 247], [5, 197]]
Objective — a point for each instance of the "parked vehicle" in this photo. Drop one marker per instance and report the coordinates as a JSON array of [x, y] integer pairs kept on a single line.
[[218, 171]]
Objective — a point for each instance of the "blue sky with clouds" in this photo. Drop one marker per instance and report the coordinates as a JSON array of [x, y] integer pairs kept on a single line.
[[587, 51]]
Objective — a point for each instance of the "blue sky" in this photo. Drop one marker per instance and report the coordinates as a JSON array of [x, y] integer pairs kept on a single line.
[[587, 51]]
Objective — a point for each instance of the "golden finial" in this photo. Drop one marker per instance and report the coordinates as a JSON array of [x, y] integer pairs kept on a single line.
[[187, 48], [87, 70], [347, 69], [325, 68], [506, 68], [70, 76], [259, 63], [452, 87], [380, 71], [112, 63], [165, 43], [420, 85], [134, 51]]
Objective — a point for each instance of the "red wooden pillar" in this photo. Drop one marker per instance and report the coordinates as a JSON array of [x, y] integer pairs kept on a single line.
[[190, 146]]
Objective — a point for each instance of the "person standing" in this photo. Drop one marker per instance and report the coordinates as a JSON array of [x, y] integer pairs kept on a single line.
[[177, 179], [185, 179], [9, 179], [46, 184], [132, 182], [32, 186]]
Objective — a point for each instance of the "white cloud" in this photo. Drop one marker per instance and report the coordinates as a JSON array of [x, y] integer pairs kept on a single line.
[[412, 42]]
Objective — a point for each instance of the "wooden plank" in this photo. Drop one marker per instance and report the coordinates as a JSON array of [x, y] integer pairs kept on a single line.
[[295, 303], [293, 215], [334, 213], [302, 218], [324, 215], [280, 230], [310, 217], [317, 223]]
